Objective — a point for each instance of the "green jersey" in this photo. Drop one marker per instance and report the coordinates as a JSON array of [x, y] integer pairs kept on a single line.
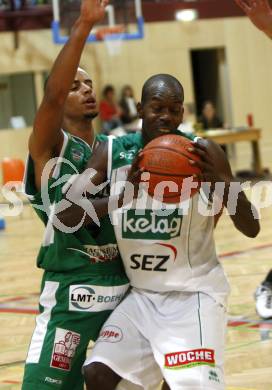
[[90, 249]]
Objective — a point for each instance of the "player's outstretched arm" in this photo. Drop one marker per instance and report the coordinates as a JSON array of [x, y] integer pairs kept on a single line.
[[259, 12], [216, 169], [46, 138]]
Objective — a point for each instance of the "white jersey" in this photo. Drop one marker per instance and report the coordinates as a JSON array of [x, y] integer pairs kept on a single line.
[[165, 250]]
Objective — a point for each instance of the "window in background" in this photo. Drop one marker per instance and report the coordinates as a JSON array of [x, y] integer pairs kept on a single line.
[[17, 99]]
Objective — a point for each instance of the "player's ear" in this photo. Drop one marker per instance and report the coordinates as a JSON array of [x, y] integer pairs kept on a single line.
[[182, 113], [140, 110]]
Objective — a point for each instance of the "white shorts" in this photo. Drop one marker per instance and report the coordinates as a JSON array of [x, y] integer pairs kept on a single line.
[[179, 336]]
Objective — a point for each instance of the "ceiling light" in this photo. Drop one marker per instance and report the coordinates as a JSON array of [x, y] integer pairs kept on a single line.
[[187, 15]]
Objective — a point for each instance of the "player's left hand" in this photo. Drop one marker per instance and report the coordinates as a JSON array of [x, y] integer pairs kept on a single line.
[[259, 12], [93, 11], [213, 162]]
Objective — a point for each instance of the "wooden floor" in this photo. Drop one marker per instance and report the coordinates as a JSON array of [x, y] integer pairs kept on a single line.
[[246, 261]]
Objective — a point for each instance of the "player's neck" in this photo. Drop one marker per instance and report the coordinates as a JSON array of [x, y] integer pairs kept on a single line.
[[83, 130]]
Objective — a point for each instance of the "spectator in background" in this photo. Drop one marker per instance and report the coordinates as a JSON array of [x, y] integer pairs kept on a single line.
[[128, 105], [209, 119], [110, 112]]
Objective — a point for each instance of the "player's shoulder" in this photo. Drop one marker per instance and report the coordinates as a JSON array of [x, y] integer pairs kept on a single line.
[[74, 140], [125, 148], [129, 140], [101, 138]]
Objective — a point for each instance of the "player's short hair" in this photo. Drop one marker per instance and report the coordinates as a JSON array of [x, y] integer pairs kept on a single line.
[[171, 81]]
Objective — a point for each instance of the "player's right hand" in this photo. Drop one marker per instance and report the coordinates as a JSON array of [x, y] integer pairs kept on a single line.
[[93, 11]]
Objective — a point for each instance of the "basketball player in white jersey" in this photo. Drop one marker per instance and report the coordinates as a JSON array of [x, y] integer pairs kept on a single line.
[[260, 14], [175, 315]]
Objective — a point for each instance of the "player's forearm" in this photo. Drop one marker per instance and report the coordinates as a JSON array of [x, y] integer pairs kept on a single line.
[[72, 216], [66, 64], [243, 214], [98, 208], [268, 32]]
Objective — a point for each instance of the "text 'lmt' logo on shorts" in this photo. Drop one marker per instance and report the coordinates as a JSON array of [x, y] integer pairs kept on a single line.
[[149, 225], [95, 298], [187, 359], [64, 349]]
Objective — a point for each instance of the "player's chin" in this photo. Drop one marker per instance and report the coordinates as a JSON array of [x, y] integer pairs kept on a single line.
[[90, 114], [159, 132]]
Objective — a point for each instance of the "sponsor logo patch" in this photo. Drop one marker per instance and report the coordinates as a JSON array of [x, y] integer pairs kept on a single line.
[[110, 334], [64, 349], [52, 380], [151, 262], [149, 225], [77, 153], [187, 359], [95, 298], [129, 155], [102, 253]]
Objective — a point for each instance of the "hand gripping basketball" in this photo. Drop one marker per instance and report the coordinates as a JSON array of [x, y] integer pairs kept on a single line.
[[172, 179]]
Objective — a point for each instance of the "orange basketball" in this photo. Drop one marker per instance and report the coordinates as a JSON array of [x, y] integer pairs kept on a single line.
[[166, 158]]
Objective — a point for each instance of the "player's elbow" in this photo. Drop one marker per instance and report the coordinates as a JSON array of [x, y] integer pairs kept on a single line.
[[251, 230], [255, 231]]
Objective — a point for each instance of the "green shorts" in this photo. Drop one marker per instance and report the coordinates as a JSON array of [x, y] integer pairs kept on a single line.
[[73, 308]]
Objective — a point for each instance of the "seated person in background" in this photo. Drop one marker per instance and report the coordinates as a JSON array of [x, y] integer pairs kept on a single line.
[[110, 112], [128, 105], [187, 125], [209, 119]]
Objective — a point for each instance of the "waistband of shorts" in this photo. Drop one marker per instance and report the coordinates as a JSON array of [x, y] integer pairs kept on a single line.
[[104, 268]]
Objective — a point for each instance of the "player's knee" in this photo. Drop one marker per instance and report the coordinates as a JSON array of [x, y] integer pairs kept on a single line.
[[99, 376]]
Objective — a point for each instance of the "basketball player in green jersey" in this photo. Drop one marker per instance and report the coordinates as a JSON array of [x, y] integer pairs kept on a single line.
[[83, 277]]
